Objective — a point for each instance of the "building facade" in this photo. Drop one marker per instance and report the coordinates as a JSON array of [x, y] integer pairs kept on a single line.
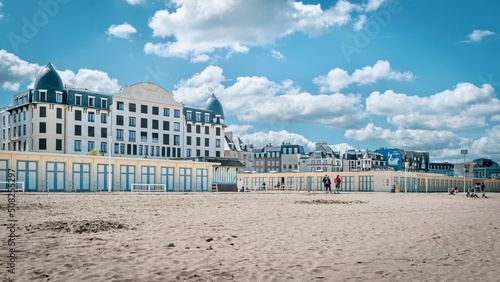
[[140, 121]]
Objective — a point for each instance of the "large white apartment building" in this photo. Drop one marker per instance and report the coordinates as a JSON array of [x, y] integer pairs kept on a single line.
[[143, 120]]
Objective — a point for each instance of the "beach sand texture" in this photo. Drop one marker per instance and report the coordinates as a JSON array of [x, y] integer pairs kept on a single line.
[[254, 237]]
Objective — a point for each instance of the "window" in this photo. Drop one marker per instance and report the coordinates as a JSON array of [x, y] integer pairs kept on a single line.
[[42, 95], [119, 120], [42, 144], [91, 101], [155, 137], [131, 107], [58, 128], [189, 115], [43, 111], [24, 129], [166, 112], [156, 110], [144, 136], [91, 116], [206, 153], [198, 116], [78, 130], [177, 140], [104, 147], [42, 128], [188, 140], [155, 124], [58, 144], [78, 115], [122, 148], [198, 141], [177, 126], [91, 131], [59, 97], [77, 145], [119, 134], [131, 136], [207, 142], [131, 121], [116, 151], [144, 123], [198, 128], [177, 113], [104, 118], [207, 117], [104, 103], [78, 100], [144, 109], [166, 139], [207, 130], [217, 143], [166, 125], [217, 131], [104, 133], [90, 146], [188, 128], [59, 113], [119, 106], [188, 153]]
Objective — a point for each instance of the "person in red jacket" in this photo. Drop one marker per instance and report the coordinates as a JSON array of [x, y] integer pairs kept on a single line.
[[337, 184]]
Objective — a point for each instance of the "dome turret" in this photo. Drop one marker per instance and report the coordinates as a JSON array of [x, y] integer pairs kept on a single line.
[[214, 106], [48, 79]]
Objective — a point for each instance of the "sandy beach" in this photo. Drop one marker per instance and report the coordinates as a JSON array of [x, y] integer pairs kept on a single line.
[[253, 237]]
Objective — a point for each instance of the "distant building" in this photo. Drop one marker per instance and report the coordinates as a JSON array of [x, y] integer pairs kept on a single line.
[[444, 168], [235, 148], [324, 159], [353, 160], [400, 159], [486, 168], [267, 159], [291, 157]]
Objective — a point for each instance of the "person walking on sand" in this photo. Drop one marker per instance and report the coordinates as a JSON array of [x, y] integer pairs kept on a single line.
[[328, 185], [324, 182], [337, 184]]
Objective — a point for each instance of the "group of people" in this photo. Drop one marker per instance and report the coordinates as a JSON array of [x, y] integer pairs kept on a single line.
[[473, 191], [327, 183]]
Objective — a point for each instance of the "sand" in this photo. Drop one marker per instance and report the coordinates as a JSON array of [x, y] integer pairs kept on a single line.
[[253, 236]]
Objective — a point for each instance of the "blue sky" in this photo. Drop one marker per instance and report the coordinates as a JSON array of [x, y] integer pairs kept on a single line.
[[418, 75]]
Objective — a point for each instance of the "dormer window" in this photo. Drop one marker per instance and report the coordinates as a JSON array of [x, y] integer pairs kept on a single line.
[[104, 103], [59, 97], [42, 95], [91, 101], [207, 117], [78, 99], [189, 115], [198, 116]]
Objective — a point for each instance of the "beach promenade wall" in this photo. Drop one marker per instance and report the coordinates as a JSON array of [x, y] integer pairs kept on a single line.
[[363, 181], [59, 173]]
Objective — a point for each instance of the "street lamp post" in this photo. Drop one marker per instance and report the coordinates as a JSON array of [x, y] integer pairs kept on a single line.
[[464, 152], [406, 169], [109, 151]]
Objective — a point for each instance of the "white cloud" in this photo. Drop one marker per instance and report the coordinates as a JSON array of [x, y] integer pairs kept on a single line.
[[124, 30], [369, 132], [478, 35], [14, 71], [256, 98], [197, 27], [337, 78], [277, 55], [94, 80], [465, 106], [136, 2], [360, 23], [260, 139], [373, 5]]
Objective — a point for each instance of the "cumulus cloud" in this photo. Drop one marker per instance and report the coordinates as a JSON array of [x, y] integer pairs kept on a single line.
[[373, 5], [202, 27], [337, 78], [465, 106], [256, 98], [277, 55], [124, 30], [94, 80], [478, 35], [15, 72]]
